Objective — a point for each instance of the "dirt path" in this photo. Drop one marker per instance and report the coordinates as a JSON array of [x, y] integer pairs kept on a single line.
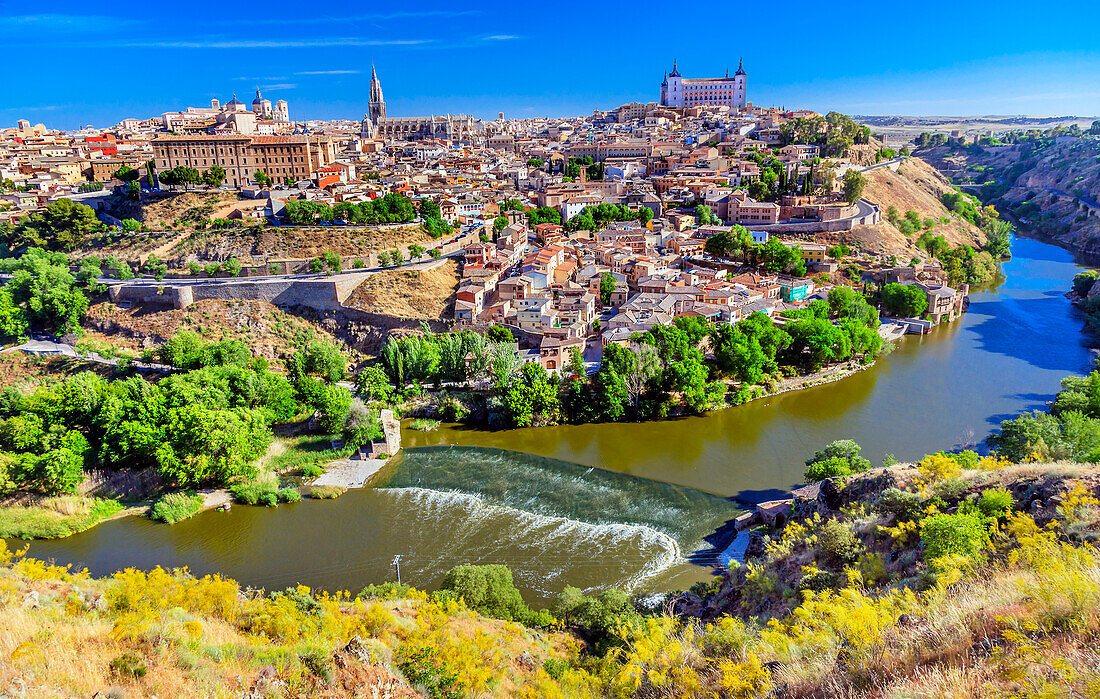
[[162, 250]]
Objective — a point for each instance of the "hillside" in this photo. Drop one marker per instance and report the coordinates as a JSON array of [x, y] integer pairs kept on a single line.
[[1051, 187], [426, 294], [916, 186], [178, 227], [271, 333]]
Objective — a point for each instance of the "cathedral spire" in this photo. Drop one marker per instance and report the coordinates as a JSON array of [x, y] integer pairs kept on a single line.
[[376, 109]]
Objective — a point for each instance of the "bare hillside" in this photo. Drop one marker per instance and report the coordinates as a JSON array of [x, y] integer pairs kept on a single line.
[[419, 294]]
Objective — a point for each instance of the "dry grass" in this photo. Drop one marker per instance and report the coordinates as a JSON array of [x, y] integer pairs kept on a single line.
[[917, 186], [422, 294]]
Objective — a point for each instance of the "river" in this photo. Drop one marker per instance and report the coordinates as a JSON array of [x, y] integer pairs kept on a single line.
[[638, 505]]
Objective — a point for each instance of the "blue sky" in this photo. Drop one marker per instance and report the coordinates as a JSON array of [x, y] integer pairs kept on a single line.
[[84, 63]]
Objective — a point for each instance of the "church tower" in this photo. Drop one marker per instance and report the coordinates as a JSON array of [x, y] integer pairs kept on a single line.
[[376, 109]]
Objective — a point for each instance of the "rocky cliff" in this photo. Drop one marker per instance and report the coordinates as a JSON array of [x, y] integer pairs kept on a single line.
[[1051, 187]]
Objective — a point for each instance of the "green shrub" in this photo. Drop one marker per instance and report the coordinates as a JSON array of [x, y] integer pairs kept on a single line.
[[555, 667], [266, 494], [312, 471], [951, 490], [423, 425], [827, 468], [128, 666], [387, 590], [601, 615], [836, 544], [488, 589], [174, 507], [839, 458], [818, 581], [903, 505], [289, 495], [995, 502], [423, 669], [326, 492], [957, 534], [317, 661]]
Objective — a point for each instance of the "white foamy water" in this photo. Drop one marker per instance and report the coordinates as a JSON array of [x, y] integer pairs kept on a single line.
[[545, 552]]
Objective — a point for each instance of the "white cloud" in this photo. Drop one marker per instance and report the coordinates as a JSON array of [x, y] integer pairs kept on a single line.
[[501, 37], [276, 43], [279, 86], [73, 23], [381, 17], [327, 72], [43, 108]]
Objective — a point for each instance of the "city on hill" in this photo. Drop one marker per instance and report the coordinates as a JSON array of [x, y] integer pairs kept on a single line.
[[229, 306]]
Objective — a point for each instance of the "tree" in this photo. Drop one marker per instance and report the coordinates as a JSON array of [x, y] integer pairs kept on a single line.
[[607, 287], [332, 404], [214, 176], [1083, 282], [155, 267], [839, 458], [232, 267], [854, 182], [729, 243], [333, 263], [777, 257], [905, 300], [998, 239], [499, 224], [645, 367], [429, 210], [126, 174], [319, 359], [45, 292], [841, 299], [416, 251], [543, 214], [487, 589], [372, 383], [261, 178], [704, 216], [62, 225], [499, 333]]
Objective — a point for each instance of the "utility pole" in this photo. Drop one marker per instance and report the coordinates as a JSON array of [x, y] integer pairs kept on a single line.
[[397, 562]]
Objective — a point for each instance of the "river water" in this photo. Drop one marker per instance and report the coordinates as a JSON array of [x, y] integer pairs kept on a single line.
[[637, 505]]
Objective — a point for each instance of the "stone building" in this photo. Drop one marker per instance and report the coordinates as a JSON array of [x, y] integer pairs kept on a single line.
[[296, 157], [678, 91]]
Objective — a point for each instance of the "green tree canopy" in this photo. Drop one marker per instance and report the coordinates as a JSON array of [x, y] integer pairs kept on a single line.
[[62, 225]]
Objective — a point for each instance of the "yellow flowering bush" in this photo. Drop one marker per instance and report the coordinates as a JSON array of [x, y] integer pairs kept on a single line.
[[937, 467], [827, 621], [1077, 503]]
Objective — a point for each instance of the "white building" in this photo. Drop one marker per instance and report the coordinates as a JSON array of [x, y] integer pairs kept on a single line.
[[678, 91]]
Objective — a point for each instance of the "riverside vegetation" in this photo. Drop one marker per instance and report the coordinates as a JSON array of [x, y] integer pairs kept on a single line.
[[959, 576], [690, 366]]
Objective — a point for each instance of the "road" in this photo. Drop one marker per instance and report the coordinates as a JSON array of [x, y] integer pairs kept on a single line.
[[147, 281], [43, 344]]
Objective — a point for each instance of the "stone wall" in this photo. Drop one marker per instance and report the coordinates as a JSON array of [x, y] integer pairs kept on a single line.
[[164, 294]]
